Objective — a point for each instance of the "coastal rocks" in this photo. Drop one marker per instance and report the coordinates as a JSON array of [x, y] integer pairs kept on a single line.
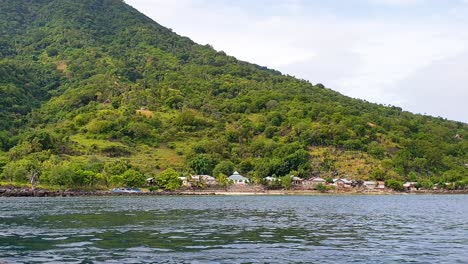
[[247, 188], [25, 192]]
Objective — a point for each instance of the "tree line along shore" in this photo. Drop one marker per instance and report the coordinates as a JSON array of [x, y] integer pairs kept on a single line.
[[169, 182]]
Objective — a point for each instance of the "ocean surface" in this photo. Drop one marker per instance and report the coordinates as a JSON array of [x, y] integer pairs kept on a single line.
[[235, 229]]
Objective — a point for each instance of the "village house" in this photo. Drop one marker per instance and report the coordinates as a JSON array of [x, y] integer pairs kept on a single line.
[[370, 185], [308, 183], [342, 183], [410, 186], [296, 180], [272, 182], [150, 181], [318, 180], [271, 179], [238, 179], [312, 182], [207, 179], [380, 185], [185, 182]]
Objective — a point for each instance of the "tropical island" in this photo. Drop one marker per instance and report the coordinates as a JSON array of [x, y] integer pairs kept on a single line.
[[95, 96]]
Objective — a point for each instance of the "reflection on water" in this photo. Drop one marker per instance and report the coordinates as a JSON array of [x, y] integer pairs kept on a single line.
[[266, 229]]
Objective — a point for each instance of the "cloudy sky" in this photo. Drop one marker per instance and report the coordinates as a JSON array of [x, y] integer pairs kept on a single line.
[[408, 53]]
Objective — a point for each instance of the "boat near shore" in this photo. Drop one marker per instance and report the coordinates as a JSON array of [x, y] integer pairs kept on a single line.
[[126, 190]]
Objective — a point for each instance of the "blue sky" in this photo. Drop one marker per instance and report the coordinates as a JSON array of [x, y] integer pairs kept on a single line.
[[409, 53]]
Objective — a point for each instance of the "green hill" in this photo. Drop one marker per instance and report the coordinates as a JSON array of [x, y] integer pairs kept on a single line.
[[93, 93]]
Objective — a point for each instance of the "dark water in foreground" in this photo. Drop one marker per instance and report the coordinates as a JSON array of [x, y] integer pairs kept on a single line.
[[265, 229]]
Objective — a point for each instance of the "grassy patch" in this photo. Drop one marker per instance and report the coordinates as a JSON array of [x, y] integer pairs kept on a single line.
[[145, 113], [14, 184], [86, 144], [170, 157], [355, 164], [256, 118]]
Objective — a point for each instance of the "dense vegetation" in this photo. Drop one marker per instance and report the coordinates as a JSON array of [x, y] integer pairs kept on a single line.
[[93, 93]]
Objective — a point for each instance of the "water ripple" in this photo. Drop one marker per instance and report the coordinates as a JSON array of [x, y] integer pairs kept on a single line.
[[256, 229]]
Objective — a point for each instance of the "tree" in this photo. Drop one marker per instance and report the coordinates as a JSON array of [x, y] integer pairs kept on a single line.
[[175, 102], [412, 176], [286, 182], [263, 168], [19, 151], [224, 167], [3, 162], [4, 140], [202, 164], [15, 171], [425, 184], [376, 150], [60, 175], [116, 180], [394, 185], [25, 170], [138, 130], [298, 161], [34, 169], [328, 164], [133, 178], [117, 167], [223, 180], [168, 180], [245, 166]]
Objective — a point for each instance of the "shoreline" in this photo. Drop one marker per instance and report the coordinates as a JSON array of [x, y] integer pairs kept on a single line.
[[24, 192]]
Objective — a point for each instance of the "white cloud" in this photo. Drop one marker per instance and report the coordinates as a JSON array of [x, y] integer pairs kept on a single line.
[[364, 57], [443, 88]]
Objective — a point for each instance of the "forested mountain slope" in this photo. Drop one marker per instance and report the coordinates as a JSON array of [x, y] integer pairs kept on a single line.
[[93, 93]]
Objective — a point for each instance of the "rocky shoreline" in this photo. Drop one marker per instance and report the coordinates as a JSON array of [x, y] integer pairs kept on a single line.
[[26, 192], [23, 192]]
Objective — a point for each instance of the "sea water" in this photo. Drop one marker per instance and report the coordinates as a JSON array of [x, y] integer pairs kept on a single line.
[[235, 229]]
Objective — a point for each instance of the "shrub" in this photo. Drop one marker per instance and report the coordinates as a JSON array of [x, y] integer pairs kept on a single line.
[[286, 182], [223, 180], [224, 167], [15, 172], [100, 126], [168, 180], [376, 150], [394, 185], [116, 151], [321, 187], [116, 180], [117, 167], [202, 164], [133, 178]]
